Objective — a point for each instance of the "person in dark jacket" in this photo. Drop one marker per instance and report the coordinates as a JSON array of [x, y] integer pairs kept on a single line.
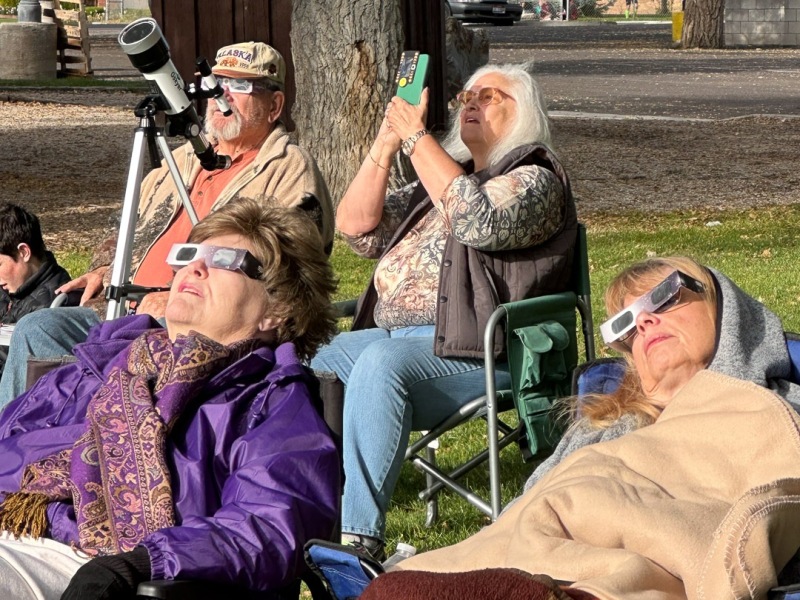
[[29, 273], [490, 220], [193, 451]]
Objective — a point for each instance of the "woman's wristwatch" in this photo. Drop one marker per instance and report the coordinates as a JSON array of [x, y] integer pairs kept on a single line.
[[408, 145]]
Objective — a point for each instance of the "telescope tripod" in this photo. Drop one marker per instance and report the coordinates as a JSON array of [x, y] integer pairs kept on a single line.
[[147, 137]]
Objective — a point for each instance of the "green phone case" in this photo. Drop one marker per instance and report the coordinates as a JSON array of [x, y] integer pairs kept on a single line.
[[412, 74]]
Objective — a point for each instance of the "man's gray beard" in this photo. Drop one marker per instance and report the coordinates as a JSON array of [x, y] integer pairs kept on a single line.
[[232, 128]]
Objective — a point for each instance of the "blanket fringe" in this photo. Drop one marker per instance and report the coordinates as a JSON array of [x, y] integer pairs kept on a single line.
[[23, 513]]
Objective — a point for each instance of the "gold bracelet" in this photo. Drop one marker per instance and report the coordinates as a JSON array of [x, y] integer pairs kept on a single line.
[[377, 164]]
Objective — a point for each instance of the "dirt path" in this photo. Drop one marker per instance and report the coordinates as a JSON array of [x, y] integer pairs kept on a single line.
[[68, 163], [66, 157]]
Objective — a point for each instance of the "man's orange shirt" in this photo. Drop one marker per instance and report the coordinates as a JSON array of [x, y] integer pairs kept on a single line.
[[154, 270]]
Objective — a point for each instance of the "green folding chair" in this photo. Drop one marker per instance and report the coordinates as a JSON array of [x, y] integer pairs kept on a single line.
[[538, 380]]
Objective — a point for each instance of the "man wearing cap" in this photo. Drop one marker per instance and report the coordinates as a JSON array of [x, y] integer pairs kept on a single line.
[[265, 164]]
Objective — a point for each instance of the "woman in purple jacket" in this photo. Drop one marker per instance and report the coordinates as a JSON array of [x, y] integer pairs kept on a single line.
[[191, 452]]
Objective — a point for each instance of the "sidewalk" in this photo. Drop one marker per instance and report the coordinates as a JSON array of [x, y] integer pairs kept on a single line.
[[108, 59]]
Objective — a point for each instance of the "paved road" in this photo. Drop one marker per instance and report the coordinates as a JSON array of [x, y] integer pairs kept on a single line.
[[631, 69], [626, 68], [108, 59]]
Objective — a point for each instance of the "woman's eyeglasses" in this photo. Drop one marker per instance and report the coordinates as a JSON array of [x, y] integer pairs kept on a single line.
[[485, 96], [215, 257], [619, 330]]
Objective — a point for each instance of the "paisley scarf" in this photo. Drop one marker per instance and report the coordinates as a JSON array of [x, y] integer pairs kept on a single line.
[[116, 473]]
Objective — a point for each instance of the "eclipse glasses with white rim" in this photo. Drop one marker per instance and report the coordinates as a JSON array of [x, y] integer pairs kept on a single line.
[[619, 330], [239, 86], [215, 257]]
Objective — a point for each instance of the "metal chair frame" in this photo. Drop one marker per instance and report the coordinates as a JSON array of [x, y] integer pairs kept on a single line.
[[488, 406]]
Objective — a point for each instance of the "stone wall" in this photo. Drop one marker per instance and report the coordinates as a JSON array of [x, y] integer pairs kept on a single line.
[[761, 23]]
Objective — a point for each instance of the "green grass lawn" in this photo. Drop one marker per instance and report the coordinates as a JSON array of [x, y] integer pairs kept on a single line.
[[757, 249]]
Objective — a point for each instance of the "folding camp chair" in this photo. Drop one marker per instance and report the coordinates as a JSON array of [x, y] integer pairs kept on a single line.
[[538, 431]]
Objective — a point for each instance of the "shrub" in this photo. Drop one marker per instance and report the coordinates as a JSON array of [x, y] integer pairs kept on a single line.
[[594, 8], [8, 7]]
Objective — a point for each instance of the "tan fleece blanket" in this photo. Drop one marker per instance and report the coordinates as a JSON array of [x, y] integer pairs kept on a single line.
[[705, 504]]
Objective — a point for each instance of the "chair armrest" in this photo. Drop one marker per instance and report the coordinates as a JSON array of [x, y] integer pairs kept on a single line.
[[72, 298], [785, 592], [59, 300], [176, 590], [183, 589], [346, 308]]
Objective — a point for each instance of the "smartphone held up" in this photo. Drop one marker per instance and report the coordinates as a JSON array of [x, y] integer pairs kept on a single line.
[[412, 75]]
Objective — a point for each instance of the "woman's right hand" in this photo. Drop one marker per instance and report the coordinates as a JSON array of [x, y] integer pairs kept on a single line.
[[388, 140], [361, 208]]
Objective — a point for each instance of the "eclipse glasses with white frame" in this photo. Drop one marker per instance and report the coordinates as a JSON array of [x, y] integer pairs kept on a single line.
[[618, 329], [215, 257]]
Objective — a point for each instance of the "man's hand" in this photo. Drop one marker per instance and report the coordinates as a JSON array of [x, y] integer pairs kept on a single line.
[[153, 304], [91, 283]]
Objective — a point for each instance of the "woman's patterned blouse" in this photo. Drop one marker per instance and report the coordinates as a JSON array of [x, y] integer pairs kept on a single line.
[[516, 210]]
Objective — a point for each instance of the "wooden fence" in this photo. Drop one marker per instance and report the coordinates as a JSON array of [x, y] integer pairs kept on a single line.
[[198, 27]]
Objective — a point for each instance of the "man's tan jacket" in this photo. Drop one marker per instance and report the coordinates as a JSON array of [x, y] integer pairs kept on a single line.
[[281, 170]]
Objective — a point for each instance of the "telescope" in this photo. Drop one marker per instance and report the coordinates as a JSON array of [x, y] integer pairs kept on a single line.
[[148, 52]]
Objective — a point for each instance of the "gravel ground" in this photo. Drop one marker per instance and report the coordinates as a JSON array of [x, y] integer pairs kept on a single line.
[[703, 145], [68, 164]]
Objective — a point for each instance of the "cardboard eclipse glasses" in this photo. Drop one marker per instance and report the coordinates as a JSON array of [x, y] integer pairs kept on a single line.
[[617, 330], [215, 257]]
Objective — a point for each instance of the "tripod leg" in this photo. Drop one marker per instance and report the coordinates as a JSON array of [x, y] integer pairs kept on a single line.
[[130, 210], [176, 177], [153, 137]]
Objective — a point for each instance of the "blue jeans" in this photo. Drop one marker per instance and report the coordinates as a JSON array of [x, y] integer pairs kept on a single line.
[[393, 385], [45, 333]]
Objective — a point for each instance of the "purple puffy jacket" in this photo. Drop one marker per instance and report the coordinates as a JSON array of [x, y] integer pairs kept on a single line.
[[255, 472]]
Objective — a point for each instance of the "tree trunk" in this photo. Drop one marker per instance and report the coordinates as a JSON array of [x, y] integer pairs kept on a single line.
[[345, 53], [703, 24]]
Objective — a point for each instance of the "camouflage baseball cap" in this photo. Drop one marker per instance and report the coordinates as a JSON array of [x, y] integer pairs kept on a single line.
[[250, 60]]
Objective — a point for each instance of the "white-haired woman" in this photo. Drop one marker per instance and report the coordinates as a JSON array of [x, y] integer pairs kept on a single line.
[[490, 220]]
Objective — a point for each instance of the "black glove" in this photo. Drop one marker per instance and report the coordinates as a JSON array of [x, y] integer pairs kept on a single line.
[[114, 577]]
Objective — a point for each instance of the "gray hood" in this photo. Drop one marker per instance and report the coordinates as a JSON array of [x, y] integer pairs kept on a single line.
[[751, 344]]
